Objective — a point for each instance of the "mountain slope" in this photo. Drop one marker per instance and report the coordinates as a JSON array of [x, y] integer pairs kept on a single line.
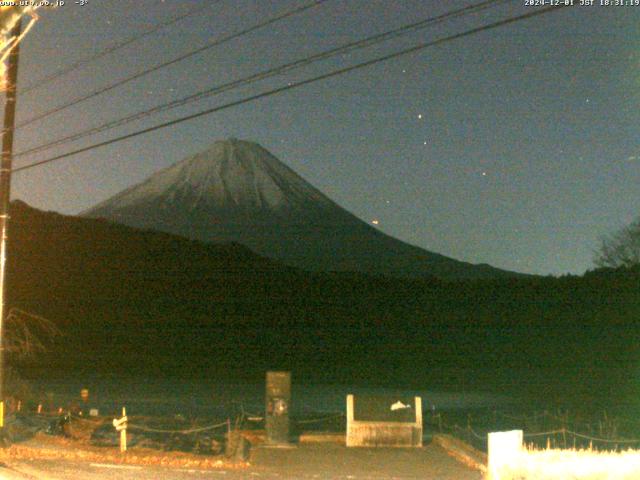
[[238, 191]]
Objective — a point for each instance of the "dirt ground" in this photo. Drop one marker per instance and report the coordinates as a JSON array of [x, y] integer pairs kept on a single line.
[[329, 461], [332, 461]]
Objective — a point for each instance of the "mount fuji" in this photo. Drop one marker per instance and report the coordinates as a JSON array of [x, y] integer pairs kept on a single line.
[[237, 191]]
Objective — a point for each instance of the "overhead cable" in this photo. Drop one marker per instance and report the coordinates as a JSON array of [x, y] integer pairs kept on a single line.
[[279, 70], [275, 91], [115, 47], [166, 64]]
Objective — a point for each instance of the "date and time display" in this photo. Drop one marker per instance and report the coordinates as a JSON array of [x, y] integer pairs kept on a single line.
[[42, 3], [582, 3], [527, 3]]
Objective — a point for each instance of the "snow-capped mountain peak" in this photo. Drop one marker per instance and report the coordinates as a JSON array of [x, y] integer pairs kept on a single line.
[[236, 191], [231, 174]]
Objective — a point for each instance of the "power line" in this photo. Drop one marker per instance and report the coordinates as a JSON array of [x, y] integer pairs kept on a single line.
[[115, 47], [363, 43], [298, 84], [180, 58]]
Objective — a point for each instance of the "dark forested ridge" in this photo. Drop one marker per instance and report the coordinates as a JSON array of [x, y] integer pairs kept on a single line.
[[146, 303]]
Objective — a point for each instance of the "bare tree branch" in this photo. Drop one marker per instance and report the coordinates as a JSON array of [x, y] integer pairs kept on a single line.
[[621, 249], [27, 334]]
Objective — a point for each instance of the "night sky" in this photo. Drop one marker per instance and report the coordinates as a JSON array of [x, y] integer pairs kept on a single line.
[[518, 147]]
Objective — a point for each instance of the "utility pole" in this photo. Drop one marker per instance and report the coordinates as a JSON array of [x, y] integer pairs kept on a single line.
[[5, 188]]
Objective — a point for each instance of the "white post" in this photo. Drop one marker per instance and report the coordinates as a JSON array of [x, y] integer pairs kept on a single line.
[[350, 416], [123, 433], [504, 449]]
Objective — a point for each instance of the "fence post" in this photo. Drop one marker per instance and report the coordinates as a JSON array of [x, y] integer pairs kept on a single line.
[[121, 426], [503, 450], [123, 433]]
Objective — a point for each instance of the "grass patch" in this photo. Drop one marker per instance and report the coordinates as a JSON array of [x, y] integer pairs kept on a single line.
[[554, 464]]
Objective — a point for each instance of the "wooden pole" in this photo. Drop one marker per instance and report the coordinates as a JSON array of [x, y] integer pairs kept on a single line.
[[5, 186]]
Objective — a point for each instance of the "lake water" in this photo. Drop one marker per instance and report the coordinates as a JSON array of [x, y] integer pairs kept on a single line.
[[202, 399]]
